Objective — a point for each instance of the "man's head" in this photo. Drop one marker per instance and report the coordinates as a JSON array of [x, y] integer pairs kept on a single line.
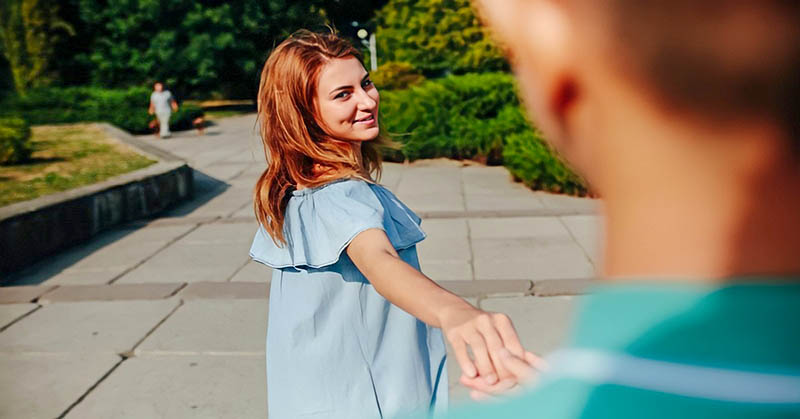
[[606, 80], [158, 86]]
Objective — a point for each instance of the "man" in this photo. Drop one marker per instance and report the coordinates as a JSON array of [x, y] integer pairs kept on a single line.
[[162, 103], [683, 116]]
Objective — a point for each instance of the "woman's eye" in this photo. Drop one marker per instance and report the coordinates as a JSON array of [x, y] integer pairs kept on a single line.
[[341, 95], [366, 83]]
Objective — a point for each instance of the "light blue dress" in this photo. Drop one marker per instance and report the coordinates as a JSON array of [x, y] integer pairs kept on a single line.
[[335, 347]]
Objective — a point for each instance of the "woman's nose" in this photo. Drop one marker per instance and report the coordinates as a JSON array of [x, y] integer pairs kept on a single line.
[[365, 101]]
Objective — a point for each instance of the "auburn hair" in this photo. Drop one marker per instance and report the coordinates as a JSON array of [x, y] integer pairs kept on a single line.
[[297, 148]]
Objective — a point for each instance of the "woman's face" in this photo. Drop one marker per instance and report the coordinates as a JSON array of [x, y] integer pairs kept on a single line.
[[347, 101]]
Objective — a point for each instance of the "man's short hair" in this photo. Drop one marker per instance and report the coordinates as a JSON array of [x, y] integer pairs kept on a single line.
[[720, 58]]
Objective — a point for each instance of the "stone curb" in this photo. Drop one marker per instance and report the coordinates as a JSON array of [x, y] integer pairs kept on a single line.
[[33, 229], [23, 293], [111, 292], [554, 287], [225, 290], [45, 294]]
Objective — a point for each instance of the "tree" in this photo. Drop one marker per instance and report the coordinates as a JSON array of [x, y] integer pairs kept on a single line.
[[29, 31], [196, 47], [436, 36]]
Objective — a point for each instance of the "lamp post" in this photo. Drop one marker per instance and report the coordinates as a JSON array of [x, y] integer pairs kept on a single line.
[[373, 53]]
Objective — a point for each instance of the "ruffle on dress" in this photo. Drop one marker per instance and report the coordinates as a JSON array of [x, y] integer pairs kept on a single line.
[[321, 222]]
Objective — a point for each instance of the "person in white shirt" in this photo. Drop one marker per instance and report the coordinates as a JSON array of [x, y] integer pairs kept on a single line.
[[162, 104]]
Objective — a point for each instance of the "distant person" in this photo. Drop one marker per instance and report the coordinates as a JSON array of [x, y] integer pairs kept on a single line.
[[683, 115], [355, 329], [162, 104]]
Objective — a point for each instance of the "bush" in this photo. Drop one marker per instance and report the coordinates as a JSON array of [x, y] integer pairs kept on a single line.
[[474, 116], [395, 75], [437, 36], [126, 109], [531, 160], [14, 140], [462, 117]]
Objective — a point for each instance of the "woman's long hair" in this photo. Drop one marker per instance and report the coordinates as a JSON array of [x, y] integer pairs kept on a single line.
[[298, 149]]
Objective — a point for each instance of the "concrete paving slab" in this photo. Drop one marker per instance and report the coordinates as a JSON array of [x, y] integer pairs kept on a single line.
[[23, 293], [223, 171], [503, 201], [155, 232], [187, 262], [98, 276], [11, 312], [220, 232], [446, 241], [113, 292], [479, 179], [447, 270], [526, 248], [445, 201], [569, 204], [43, 387], [85, 327], [225, 290], [195, 387], [530, 258], [484, 288], [587, 230], [391, 176], [551, 287], [226, 203], [253, 272], [517, 227], [121, 254], [211, 327], [430, 180], [245, 212], [542, 323]]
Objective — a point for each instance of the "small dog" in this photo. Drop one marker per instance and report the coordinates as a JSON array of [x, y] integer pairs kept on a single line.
[[153, 125], [200, 124]]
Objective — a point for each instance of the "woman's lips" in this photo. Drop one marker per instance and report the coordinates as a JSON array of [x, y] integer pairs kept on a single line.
[[367, 120]]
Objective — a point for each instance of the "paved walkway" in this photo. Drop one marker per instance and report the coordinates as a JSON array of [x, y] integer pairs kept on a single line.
[[167, 318]]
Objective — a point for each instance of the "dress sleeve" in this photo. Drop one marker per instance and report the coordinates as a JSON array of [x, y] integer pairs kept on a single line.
[[319, 225]]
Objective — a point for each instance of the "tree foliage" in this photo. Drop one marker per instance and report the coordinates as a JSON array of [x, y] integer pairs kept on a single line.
[[196, 47], [436, 36], [29, 32]]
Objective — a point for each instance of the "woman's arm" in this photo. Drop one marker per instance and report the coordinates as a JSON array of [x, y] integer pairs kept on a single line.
[[463, 325]]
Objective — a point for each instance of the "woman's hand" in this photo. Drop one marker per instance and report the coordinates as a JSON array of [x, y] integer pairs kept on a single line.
[[485, 335], [523, 372]]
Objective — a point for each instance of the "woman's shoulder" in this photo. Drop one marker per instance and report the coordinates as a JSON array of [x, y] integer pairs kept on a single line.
[[334, 187]]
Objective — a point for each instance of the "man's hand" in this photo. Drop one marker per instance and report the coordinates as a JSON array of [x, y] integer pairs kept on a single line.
[[523, 373]]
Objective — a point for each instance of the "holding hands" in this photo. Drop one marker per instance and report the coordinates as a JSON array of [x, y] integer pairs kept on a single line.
[[499, 366]]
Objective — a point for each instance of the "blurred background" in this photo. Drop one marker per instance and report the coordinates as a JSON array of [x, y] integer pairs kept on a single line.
[[445, 85]]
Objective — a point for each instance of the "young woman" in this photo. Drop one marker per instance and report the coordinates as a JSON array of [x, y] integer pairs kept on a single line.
[[355, 330]]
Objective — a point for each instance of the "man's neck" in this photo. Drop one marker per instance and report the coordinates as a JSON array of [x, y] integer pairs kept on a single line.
[[713, 220]]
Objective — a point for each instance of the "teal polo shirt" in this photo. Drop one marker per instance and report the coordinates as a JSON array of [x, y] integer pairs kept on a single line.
[[671, 350]]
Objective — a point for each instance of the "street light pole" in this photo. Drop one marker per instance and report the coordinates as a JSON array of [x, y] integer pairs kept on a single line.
[[373, 51]]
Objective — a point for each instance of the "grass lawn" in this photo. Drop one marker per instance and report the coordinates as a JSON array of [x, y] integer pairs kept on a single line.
[[66, 157]]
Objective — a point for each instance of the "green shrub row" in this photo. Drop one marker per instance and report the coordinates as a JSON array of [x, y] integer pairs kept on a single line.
[[126, 109], [15, 146], [473, 116], [529, 159], [462, 117]]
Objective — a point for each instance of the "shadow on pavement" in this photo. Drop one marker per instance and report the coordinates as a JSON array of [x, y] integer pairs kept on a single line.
[[205, 189]]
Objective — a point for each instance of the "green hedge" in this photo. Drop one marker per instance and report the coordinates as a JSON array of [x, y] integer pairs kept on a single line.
[[393, 75], [462, 117], [473, 116], [14, 140], [126, 109], [529, 159]]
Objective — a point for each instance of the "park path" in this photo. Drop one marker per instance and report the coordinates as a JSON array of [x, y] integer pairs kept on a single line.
[[167, 318]]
